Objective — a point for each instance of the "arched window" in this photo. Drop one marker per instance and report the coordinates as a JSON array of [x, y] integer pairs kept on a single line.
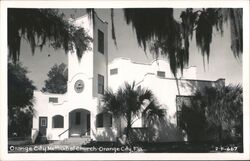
[[57, 121], [104, 120]]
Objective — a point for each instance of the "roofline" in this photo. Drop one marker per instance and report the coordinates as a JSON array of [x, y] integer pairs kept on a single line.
[[124, 58], [80, 17], [85, 15], [179, 79], [100, 18], [198, 80], [51, 94]]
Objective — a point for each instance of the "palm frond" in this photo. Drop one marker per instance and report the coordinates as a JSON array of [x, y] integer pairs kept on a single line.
[[128, 102], [111, 103], [218, 108], [153, 112], [145, 94]]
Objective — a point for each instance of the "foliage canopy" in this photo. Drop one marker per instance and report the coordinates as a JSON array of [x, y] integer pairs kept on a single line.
[[20, 100], [130, 103], [41, 26], [157, 28], [217, 110], [57, 79]]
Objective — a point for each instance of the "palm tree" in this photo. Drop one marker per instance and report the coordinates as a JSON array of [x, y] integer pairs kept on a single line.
[[129, 103], [224, 109], [42, 26], [219, 109]]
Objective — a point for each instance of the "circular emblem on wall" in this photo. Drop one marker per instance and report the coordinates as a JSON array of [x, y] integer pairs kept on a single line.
[[79, 86]]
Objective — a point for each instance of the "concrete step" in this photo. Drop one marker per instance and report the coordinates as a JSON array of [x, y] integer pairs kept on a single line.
[[76, 140]]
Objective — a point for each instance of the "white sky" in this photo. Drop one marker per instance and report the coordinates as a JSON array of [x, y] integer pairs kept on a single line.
[[222, 63]]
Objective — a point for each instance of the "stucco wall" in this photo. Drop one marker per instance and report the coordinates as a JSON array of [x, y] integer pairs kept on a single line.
[[131, 71], [165, 90], [91, 64], [145, 75], [85, 65], [99, 59], [43, 108]]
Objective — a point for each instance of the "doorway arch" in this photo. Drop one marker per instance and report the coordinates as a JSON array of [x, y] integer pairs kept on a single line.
[[79, 123]]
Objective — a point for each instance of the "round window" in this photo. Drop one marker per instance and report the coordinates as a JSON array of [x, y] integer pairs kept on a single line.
[[79, 86]]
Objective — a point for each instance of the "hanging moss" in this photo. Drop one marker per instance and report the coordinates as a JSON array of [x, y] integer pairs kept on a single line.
[[156, 28], [40, 27]]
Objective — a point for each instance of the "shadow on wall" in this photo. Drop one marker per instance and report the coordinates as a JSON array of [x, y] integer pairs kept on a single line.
[[167, 131], [159, 131], [105, 134], [163, 130]]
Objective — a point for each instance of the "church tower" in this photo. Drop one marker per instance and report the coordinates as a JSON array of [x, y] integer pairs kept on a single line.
[[88, 77]]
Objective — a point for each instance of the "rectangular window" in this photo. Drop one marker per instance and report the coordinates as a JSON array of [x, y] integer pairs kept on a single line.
[[53, 100], [100, 84], [43, 122], [99, 120], [113, 71], [161, 74], [78, 118], [100, 41]]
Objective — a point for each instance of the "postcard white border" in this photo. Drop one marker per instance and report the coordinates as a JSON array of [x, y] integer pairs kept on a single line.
[[4, 155]]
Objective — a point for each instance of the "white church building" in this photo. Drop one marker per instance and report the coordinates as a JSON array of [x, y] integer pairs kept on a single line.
[[78, 112]]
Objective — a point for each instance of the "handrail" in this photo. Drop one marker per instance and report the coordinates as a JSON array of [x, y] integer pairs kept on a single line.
[[88, 130], [64, 132]]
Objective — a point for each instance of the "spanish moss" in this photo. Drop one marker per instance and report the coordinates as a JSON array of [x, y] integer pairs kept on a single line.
[[42, 26], [157, 29]]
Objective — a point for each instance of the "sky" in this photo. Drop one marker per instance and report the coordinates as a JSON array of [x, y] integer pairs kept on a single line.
[[222, 63]]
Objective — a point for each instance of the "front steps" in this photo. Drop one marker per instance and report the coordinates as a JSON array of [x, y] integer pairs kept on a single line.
[[76, 141]]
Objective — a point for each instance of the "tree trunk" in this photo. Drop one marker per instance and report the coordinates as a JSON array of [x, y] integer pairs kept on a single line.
[[177, 85], [128, 131]]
